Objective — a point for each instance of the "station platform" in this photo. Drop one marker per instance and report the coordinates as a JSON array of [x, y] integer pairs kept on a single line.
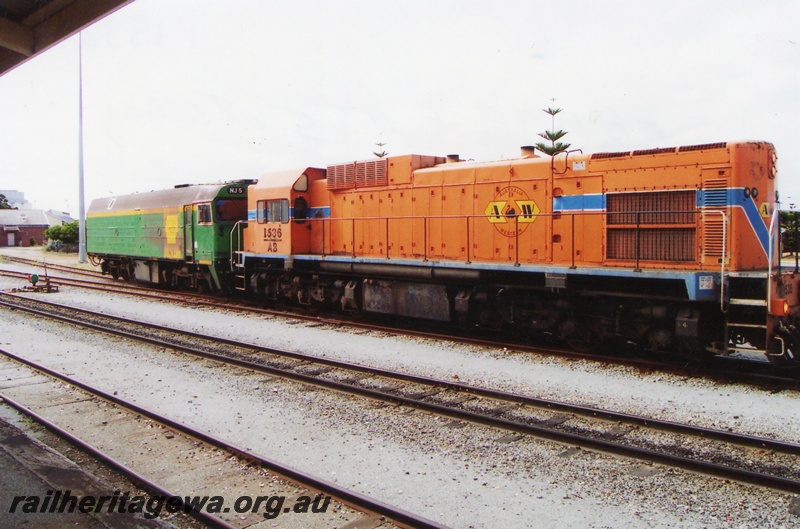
[[39, 474]]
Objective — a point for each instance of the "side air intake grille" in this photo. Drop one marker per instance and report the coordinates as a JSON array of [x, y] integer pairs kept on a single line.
[[606, 155], [715, 195], [667, 150], [703, 147], [715, 198]]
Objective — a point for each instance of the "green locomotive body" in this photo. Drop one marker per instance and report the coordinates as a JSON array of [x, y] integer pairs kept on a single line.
[[174, 237]]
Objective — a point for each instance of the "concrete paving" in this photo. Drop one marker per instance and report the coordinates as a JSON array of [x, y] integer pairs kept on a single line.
[[32, 469]]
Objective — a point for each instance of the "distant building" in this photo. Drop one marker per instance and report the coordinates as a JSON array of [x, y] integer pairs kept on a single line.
[[16, 199], [26, 227], [58, 218]]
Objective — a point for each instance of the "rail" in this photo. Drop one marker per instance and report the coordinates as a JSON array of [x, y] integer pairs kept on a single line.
[[358, 500], [741, 471]]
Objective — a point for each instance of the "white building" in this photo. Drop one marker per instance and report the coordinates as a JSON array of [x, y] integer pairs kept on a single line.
[[16, 199]]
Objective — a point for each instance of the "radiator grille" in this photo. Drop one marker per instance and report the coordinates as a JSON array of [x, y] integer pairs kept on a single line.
[[623, 208], [357, 174], [654, 226], [658, 244]]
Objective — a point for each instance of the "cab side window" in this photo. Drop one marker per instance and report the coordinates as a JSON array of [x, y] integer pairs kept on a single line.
[[300, 210], [204, 214], [261, 211], [272, 211]]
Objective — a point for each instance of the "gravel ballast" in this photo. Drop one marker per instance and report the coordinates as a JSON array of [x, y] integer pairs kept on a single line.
[[460, 475]]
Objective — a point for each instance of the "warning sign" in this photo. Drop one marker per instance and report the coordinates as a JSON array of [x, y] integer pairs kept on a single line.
[[511, 210]]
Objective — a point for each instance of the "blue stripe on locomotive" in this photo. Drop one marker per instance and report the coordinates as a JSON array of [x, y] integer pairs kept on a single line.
[[313, 213], [590, 202]]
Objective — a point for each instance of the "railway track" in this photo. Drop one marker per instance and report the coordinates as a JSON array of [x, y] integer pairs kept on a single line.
[[377, 513], [761, 461], [726, 370], [52, 266], [103, 284]]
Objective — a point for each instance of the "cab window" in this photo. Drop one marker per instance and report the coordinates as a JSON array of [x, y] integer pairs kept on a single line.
[[272, 211], [301, 184], [230, 210], [300, 212], [204, 214]]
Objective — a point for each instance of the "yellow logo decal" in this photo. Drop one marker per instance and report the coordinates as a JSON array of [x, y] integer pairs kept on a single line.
[[511, 210], [528, 210], [171, 228], [764, 210], [493, 211]]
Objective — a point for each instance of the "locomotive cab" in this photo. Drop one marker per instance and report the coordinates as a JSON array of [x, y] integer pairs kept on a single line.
[[285, 213]]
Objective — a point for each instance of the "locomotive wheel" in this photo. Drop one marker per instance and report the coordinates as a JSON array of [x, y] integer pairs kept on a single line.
[[582, 342], [578, 337]]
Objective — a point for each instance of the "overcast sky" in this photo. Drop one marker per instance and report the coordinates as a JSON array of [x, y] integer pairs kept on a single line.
[[193, 91]]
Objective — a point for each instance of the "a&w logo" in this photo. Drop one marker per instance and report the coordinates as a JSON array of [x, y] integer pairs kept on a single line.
[[510, 210]]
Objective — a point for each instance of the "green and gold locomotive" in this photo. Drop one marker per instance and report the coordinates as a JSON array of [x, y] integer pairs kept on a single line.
[[172, 237]]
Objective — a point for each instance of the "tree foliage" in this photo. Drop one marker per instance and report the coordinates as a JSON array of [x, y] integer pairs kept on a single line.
[[552, 136], [4, 202], [68, 233], [789, 238]]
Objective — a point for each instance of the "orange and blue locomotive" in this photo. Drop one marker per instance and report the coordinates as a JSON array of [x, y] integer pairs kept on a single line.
[[673, 249]]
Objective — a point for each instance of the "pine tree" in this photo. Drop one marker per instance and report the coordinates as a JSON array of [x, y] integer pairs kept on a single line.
[[788, 236], [552, 136]]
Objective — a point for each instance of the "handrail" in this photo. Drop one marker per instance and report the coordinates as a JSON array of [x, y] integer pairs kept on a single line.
[[237, 229], [770, 254], [724, 216], [566, 161], [641, 221]]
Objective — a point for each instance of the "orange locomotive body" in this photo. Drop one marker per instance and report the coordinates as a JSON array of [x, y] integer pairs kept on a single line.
[[672, 249]]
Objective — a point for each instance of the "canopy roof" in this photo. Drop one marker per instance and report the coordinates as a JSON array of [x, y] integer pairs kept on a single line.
[[29, 27]]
